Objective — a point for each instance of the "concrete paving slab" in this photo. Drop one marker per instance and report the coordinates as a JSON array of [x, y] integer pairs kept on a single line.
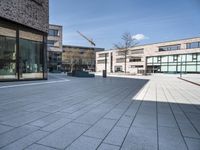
[[83, 142], [64, 136], [154, 112]]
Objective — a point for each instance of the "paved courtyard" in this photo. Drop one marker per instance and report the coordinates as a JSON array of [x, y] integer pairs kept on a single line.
[[143, 113]]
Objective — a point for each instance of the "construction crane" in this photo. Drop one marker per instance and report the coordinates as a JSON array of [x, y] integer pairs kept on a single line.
[[89, 40]]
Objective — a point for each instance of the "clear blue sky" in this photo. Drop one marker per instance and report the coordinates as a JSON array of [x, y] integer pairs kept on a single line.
[[106, 20]]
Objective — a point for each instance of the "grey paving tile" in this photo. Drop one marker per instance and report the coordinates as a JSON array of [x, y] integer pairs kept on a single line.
[[46, 120], [50, 108], [105, 146], [163, 108], [170, 138], [93, 116], [64, 136], [193, 144], [84, 143], [15, 134], [188, 130], [39, 147], [24, 119], [117, 112], [57, 124], [125, 121], [146, 121], [140, 139], [4, 128], [116, 136], [101, 128], [97, 98], [25, 141], [166, 120]]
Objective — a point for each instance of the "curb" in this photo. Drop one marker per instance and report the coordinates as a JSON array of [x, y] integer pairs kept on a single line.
[[189, 81]]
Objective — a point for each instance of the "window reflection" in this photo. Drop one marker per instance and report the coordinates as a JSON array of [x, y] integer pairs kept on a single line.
[[31, 55], [7, 53]]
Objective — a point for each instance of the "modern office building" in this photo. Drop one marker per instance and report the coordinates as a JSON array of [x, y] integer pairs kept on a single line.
[[54, 44], [165, 57], [81, 57], [23, 34]]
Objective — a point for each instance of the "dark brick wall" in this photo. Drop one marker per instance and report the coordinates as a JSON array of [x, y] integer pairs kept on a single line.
[[32, 13]]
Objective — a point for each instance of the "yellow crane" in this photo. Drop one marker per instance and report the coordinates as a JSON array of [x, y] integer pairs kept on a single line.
[[86, 38]]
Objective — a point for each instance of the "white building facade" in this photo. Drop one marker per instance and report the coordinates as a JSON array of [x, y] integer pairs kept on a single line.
[[166, 57]]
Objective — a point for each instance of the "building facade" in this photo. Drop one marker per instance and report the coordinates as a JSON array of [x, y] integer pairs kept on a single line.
[[79, 58], [23, 38], [54, 44], [166, 57]]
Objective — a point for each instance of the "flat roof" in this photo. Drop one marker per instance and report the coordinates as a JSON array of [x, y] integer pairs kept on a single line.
[[83, 47], [159, 42], [55, 25], [168, 41]]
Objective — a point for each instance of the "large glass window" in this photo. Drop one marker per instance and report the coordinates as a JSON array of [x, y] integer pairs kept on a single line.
[[189, 63], [137, 51], [193, 45], [51, 43], [7, 52], [135, 59], [170, 48], [53, 32], [22, 52], [30, 55]]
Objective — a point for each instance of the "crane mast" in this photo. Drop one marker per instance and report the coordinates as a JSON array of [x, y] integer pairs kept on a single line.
[[86, 38]]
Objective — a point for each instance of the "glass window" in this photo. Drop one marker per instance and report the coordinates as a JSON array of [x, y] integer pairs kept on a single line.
[[198, 68], [53, 32], [181, 58], [120, 60], [193, 45], [175, 58], [7, 53], [164, 59], [135, 59], [51, 43], [191, 68], [30, 55], [181, 68], [194, 57], [101, 61], [172, 69], [137, 51], [103, 54], [170, 47], [198, 57], [163, 68], [171, 59], [189, 57], [150, 60], [155, 59]]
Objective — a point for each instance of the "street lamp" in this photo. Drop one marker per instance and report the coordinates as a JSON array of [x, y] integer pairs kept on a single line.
[[181, 66], [105, 71]]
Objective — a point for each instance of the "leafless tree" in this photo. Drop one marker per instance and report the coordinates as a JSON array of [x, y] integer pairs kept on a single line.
[[127, 42], [72, 57], [89, 56]]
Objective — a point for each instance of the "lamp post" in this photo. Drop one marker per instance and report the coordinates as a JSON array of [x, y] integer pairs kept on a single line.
[[105, 71], [181, 67]]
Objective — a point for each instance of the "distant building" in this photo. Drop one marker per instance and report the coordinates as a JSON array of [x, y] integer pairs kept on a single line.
[[83, 58], [23, 34], [165, 57], [54, 48]]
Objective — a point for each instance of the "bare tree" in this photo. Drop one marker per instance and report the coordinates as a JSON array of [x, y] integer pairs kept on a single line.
[[127, 42], [89, 56], [72, 57]]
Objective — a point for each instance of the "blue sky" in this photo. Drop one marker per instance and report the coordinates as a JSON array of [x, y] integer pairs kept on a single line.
[[106, 20]]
